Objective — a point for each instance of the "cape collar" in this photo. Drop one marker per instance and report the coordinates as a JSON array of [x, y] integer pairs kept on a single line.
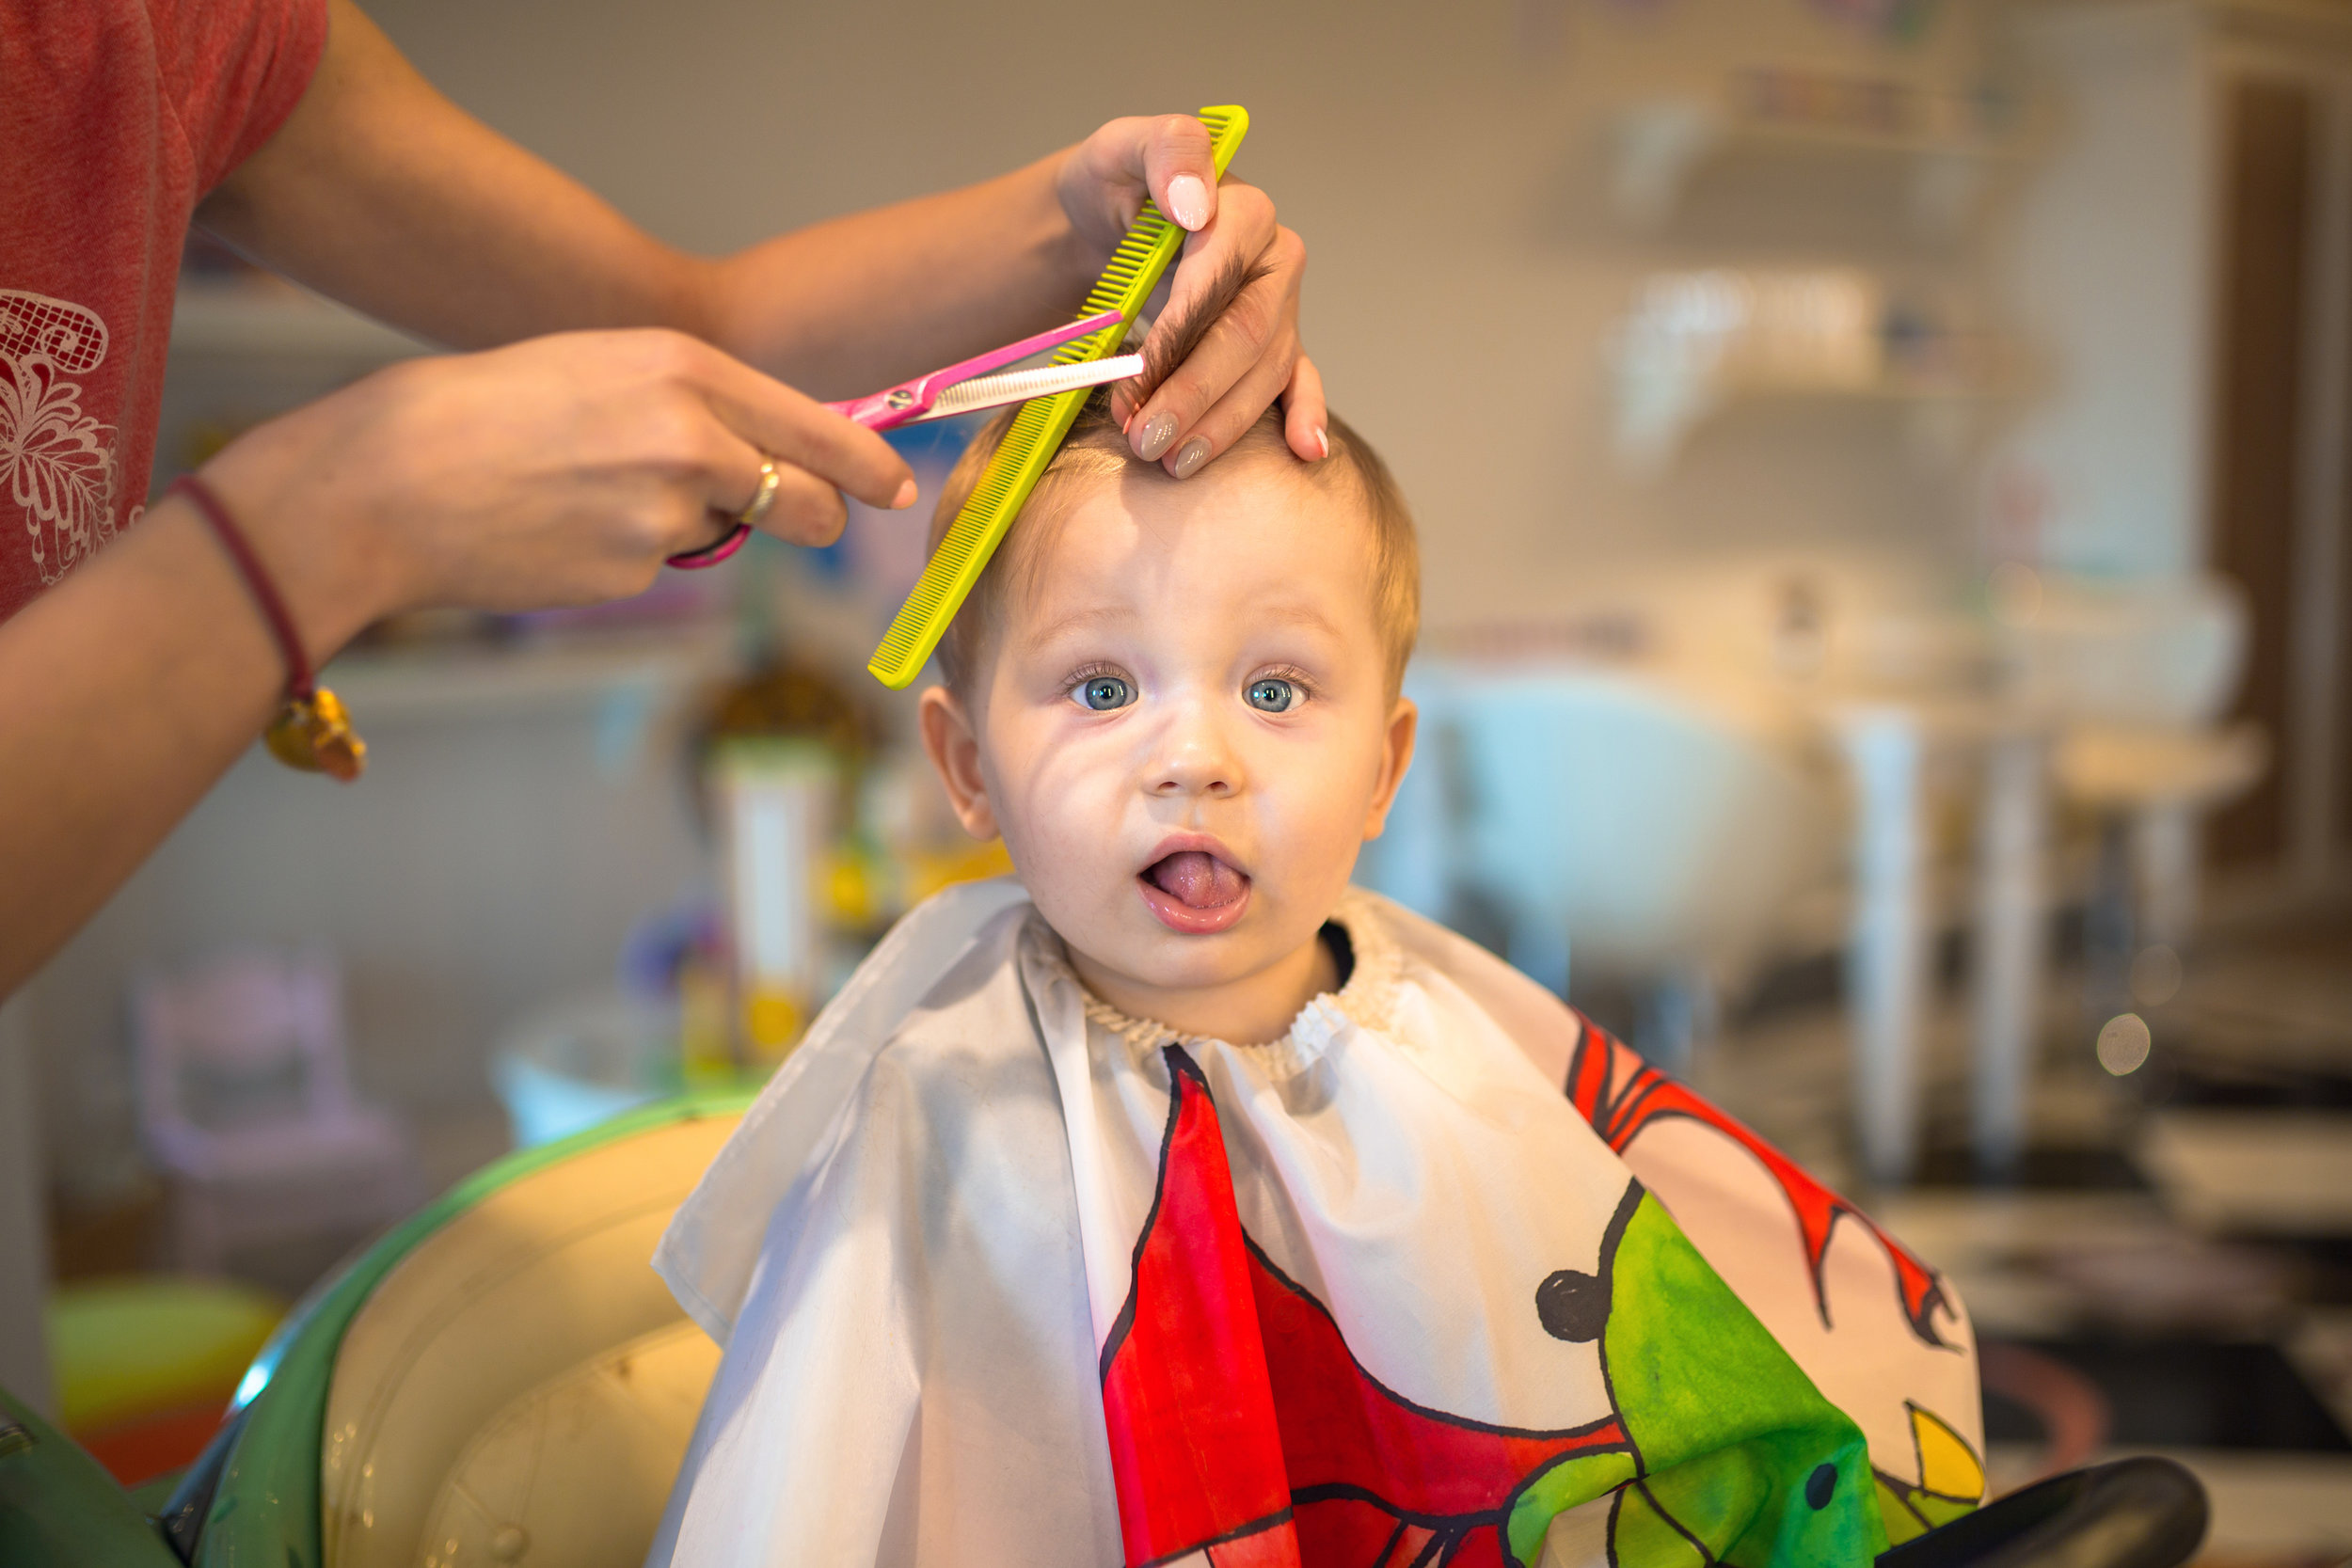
[[1365, 999]]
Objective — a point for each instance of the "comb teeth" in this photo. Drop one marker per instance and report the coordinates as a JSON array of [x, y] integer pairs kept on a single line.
[[1151, 243]]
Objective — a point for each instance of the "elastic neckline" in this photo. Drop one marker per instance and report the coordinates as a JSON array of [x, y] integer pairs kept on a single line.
[[1364, 997]]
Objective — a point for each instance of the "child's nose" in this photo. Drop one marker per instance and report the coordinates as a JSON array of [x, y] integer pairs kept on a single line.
[[1197, 761], [1192, 774]]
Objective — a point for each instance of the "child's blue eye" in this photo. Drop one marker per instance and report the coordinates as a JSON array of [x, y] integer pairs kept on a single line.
[[1273, 696], [1104, 692]]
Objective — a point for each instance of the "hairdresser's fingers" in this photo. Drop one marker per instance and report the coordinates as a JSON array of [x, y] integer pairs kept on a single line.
[[733, 466], [1304, 417], [1225, 421], [1244, 239], [1246, 248], [790, 426], [1254, 340], [1179, 167], [806, 511], [1103, 180], [668, 466]]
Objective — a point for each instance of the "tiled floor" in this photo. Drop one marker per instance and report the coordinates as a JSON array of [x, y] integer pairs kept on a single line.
[[2182, 1236]]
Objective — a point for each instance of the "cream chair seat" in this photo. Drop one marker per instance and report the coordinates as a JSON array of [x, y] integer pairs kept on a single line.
[[520, 1387]]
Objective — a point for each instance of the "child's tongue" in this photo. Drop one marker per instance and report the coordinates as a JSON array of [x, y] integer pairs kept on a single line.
[[1196, 878]]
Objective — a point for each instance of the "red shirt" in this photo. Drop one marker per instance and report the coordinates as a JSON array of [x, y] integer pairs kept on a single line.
[[115, 118]]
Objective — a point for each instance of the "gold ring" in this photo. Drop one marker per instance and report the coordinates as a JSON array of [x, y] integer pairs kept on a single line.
[[770, 481]]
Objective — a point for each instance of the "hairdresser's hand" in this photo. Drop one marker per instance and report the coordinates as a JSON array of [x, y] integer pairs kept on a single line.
[[559, 471], [1250, 355]]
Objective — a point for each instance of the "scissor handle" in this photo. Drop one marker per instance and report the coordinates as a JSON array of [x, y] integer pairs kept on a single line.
[[894, 405], [710, 555], [857, 409]]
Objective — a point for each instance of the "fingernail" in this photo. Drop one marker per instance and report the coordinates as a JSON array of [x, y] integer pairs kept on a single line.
[[905, 498], [1195, 453], [1158, 431], [1323, 442], [1188, 200]]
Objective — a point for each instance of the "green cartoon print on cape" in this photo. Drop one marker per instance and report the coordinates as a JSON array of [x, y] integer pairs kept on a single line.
[[1624, 1097], [1242, 1427]]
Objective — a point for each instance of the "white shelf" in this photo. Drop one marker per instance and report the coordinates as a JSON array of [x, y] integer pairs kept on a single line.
[[1658, 147], [1942, 419], [489, 681], [1695, 342], [275, 321]]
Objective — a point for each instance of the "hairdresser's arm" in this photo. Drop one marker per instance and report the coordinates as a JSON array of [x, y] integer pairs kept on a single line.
[[560, 470], [380, 192]]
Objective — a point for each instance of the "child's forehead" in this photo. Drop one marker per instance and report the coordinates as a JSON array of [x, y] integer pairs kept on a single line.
[[1244, 528]]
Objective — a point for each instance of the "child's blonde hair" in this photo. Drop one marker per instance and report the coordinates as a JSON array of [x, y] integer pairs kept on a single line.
[[1096, 449]]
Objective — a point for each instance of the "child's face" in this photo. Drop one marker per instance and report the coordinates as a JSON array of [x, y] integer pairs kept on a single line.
[[1184, 733]]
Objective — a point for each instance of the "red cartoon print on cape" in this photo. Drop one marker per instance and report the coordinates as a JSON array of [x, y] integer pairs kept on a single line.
[[1240, 1423], [1620, 1095]]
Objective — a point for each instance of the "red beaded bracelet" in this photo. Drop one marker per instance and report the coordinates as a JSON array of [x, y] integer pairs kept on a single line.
[[312, 732]]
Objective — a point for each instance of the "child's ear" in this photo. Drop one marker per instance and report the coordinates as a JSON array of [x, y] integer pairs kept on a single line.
[[1397, 755], [954, 749]]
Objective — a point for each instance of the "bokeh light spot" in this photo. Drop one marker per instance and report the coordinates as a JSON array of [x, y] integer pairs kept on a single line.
[[2123, 1042]]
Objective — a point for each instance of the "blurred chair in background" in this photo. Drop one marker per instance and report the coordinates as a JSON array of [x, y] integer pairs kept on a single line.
[[1604, 818], [247, 1107], [2151, 789], [2137, 675]]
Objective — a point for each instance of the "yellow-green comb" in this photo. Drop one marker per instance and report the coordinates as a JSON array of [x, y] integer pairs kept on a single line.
[[1136, 269]]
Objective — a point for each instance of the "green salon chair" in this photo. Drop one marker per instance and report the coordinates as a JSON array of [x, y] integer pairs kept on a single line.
[[503, 1379]]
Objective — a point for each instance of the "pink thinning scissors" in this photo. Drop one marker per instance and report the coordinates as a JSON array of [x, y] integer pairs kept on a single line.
[[943, 394]]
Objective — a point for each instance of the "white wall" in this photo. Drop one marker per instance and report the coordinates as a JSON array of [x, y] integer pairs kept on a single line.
[[1439, 160], [511, 826], [2111, 278]]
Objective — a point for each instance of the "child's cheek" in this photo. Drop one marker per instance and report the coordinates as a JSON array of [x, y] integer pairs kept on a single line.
[[1322, 816], [1062, 826]]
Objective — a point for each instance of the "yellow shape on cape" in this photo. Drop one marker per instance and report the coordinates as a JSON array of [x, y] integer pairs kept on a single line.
[[1948, 1467]]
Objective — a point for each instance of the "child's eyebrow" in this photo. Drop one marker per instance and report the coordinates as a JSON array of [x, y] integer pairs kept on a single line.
[[1077, 620], [1302, 614], [1100, 615]]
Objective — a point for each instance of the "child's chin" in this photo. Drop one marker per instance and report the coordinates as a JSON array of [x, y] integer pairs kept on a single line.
[[1157, 957]]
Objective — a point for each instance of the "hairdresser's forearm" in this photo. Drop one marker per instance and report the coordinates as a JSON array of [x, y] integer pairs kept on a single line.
[[842, 306], [125, 693], [381, 193]]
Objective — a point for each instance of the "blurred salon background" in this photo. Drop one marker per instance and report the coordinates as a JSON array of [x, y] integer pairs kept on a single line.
[[1882, 469]]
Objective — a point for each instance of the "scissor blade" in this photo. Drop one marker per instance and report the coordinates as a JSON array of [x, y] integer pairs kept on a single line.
[[993, 392]]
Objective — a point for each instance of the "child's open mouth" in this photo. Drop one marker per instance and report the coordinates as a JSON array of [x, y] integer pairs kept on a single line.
[[1194, 891]]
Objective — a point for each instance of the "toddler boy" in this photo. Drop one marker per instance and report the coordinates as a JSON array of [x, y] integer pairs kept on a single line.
[[1176, 1201]]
